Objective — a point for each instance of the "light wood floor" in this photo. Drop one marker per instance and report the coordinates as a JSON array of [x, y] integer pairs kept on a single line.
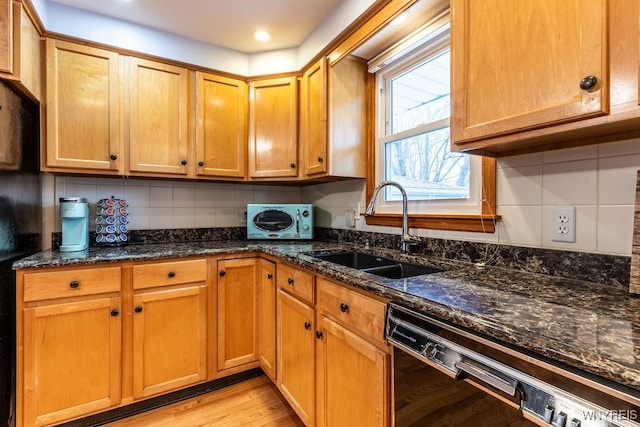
[[255, 402]]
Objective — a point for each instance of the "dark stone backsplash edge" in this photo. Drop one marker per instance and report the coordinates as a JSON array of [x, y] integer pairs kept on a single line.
[[599, 268]]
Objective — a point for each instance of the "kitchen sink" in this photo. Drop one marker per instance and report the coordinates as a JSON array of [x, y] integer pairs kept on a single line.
[[379, 266]]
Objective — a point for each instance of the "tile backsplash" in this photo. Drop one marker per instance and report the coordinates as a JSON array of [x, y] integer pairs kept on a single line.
[[155, 204], [599, 180]]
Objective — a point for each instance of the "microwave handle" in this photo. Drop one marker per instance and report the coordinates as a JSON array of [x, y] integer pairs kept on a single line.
[[298, 221]]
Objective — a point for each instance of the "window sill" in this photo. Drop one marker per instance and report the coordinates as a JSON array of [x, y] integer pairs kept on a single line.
[[472, 223]]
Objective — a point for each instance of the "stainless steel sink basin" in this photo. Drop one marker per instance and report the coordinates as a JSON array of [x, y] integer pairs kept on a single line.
[[379, 266]]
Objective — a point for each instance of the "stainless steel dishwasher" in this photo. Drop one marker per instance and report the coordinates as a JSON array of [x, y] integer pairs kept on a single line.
[[445, 376]]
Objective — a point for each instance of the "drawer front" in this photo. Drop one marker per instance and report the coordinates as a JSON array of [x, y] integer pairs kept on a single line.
[[295, 281], [71, 283], [352, 309], [169, 273]]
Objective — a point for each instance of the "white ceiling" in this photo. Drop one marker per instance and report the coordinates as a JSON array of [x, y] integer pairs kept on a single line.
[[225, 23]]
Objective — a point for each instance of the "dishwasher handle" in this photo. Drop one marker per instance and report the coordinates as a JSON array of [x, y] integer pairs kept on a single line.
[[483, 373]]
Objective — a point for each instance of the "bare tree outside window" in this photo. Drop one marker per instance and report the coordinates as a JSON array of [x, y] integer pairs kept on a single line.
[[418, 114]]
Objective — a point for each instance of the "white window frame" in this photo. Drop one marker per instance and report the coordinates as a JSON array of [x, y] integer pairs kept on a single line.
[[431, 43]]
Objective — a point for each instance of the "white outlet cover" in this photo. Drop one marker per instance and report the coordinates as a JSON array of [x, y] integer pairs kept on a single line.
[[563, 224]]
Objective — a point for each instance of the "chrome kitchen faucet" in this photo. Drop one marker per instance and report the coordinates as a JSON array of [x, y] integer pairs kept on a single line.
[[406, 239]]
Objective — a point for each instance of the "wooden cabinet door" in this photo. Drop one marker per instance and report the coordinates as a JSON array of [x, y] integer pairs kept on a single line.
[[71, 360], [7, 45], [267, 318], [296, 359], [158, 118], [516, 68], [273, 124], [353, 379], [221, 132], [83, 108], [313, 118], [169, 339], [237, 280]]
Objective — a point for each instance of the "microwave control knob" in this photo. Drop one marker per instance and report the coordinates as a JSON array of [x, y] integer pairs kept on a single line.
[[305, 213], [305, 227], [548, 414], [575, 423]]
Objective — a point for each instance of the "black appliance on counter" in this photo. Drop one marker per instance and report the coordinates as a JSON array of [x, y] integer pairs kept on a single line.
[[20, 223]]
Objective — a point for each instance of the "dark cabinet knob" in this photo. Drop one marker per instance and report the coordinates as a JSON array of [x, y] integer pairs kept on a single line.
[[183, 162], [222, 273], [201, 163], [115, 312], [588, 83], [171, 274], [113, 156], [290, 281], [138, 309], [74, 284], [269, 276], [344, 307], [307, 325], [320, 159], [292, 165], [318, 334]]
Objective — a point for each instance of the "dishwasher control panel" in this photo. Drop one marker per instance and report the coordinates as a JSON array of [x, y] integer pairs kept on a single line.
[[413, 333]]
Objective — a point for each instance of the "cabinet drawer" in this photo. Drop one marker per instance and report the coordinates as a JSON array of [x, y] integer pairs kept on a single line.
[[70, 283], [169, 273], [352, 309], [295, 281]]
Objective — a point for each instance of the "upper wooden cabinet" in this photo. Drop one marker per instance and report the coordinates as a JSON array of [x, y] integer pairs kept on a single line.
[[221, 126], [158, 136], [83, 109], [273, 124], [542, 74], [333, 118], [20, 48]]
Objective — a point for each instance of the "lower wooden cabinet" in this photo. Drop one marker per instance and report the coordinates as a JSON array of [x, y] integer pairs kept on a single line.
[[169, 339], [71, 360], [296, 358], [352, 378], [267, 318], [236, 318]]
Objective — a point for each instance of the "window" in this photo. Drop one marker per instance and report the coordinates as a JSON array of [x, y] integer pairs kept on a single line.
[[413, 137]]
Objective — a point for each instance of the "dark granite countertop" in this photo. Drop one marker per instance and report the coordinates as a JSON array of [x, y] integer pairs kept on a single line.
[[591, 327]]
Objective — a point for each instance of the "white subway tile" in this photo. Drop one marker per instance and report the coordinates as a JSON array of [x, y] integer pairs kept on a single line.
[[519, 161], [617, 177], [206, 197], [137, 196], [205, 218], [139, 218], [519, 186], [520, 225], [570, 183], [227, 217], [160, 218], [161, 197], [225, 198], [184, 218], [184, 197], [615, 229]]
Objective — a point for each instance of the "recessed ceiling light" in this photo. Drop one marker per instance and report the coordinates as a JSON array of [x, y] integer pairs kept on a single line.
[[400, 19], [262, 36]]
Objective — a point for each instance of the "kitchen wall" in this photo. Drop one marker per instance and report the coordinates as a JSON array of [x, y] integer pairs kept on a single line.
[[598, 180], [160, 204]]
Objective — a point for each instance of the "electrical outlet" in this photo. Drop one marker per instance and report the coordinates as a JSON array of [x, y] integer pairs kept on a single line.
[[563, 224]]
